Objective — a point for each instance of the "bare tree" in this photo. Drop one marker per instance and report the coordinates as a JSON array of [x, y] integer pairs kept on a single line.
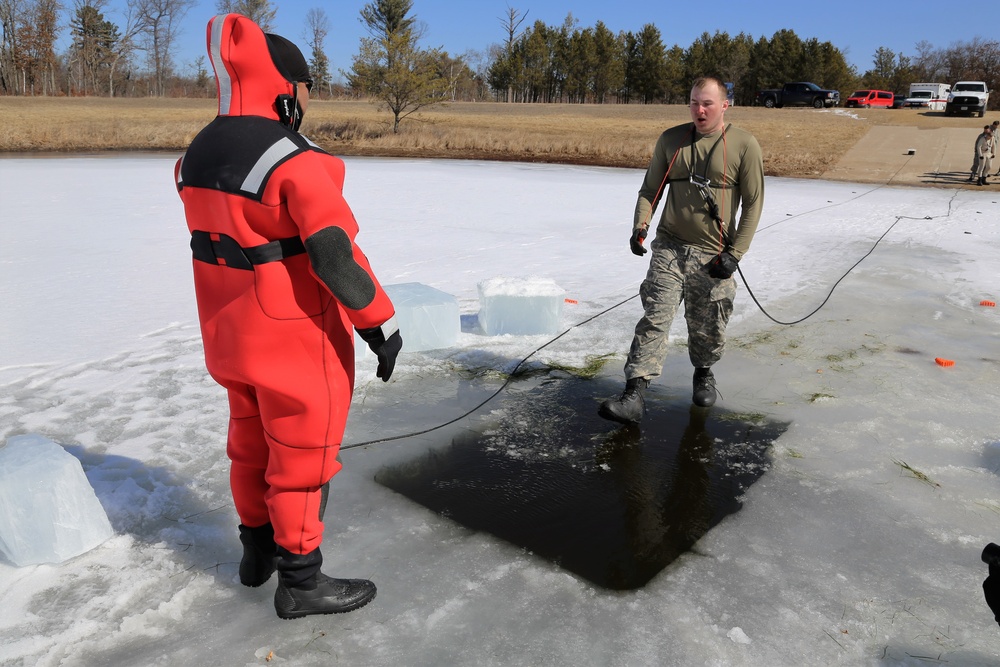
[[10, 11], [512, 25], [158, 22], [126, 47], [36, 31], [929, 63], [259, 11], [317, 28]]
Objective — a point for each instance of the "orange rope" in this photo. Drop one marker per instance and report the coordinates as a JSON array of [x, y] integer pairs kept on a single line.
[[722, 209], [656, 199]]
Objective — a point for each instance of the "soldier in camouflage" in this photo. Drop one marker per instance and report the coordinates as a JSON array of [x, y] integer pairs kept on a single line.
[[709, 171]]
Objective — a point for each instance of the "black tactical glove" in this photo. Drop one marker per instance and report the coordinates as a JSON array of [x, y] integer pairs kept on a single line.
[[723, 266], [638, 236], [384, 348]]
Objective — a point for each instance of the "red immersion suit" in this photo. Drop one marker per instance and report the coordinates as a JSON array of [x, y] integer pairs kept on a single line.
[[280, 283]]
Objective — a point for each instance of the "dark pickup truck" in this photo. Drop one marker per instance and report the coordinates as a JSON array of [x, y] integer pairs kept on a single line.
[[800, 93]]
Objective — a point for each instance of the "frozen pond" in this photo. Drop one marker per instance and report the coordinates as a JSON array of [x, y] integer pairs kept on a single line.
[[865, 501]]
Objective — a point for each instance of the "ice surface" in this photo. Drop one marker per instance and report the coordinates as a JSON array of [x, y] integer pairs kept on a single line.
[[428, 318], [840, 557], [48, 510], [520, 306]]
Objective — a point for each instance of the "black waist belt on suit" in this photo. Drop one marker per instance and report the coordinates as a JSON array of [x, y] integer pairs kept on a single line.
[[227, 252]]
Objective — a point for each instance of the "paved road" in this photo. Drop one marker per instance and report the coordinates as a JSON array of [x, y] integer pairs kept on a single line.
[[911, 156]]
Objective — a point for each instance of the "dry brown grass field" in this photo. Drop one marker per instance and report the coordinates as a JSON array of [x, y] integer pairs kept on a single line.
[[796, 142]]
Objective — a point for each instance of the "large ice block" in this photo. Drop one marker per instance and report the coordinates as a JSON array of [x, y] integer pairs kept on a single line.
[[520, 306], [48, 510], [428, 318]]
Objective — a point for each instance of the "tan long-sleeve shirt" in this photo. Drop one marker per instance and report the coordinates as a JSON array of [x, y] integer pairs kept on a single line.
[[735, 168]]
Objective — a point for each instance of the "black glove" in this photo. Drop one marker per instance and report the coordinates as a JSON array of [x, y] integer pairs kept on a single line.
[[384, 348], [638, 236], [723, 266], [991, 587]]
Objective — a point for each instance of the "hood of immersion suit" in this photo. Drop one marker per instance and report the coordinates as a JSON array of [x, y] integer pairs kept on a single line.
[[248, 72]]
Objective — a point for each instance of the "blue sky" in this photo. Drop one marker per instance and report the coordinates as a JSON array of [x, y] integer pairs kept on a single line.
[[856, 27]]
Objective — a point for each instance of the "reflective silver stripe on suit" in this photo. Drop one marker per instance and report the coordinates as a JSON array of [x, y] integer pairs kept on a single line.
[[389, 327], [272, 156], [221, 74]]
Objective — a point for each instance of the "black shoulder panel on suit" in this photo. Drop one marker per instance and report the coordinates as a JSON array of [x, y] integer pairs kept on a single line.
[[237, 154]]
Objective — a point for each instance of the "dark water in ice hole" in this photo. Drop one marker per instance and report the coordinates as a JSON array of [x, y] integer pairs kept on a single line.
[[612, 504]]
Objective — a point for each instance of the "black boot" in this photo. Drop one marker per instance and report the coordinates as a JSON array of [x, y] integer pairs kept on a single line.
[[629, 408], [257, 563], [704, 388], [303, 590], [981, 181]]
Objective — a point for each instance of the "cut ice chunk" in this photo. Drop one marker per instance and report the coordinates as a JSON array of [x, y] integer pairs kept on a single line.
[[428, 318], [48, 510], [520, 306]]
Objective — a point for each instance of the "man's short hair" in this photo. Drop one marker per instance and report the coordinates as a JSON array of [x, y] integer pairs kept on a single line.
[[702, 81]]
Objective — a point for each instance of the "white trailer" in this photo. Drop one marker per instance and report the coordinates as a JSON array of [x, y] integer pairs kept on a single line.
[[933, 96]]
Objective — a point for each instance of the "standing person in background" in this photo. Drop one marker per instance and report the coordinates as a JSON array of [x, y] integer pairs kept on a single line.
[[280, 286], [974, 171], [713, 170], [984, 151], [995, 126]]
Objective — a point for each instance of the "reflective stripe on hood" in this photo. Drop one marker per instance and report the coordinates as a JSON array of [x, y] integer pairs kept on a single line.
[[248, 80]]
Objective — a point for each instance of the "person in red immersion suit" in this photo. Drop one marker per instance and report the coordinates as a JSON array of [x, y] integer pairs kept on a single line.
[[280, 285]]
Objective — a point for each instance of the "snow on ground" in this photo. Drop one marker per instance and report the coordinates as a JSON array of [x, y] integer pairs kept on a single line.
[[860, 546]]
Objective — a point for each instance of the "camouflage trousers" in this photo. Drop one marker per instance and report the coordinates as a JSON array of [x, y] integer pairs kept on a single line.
[[680, 273]]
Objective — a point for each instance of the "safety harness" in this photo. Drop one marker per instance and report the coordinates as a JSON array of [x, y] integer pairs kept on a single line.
[[702, 182], [223, 250]]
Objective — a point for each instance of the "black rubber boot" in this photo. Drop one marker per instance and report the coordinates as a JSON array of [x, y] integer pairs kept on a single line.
[[305, 591], [704, 388], [257, 564], [630, 407], [981, 181]]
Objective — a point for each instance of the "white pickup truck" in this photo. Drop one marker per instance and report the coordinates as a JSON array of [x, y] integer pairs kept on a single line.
[[968, 97]]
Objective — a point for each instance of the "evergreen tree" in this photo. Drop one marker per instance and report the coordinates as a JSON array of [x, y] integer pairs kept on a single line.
[[676, 84], [608, 70], [391, 67], [537, 58], [783, 60], [582, 63], [95, 41], [650, 71], [826, 66], [890, 71]]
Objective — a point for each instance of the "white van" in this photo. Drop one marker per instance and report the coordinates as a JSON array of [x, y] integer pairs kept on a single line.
[[933, 96]]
